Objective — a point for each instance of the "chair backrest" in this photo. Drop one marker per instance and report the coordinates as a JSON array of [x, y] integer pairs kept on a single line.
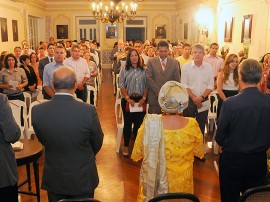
[[214, 100], [117, 108], [117, 81], [89, 89], [18, 107], [81, 200], [27, 97], [30, 110], [185, 196], [256, 194]]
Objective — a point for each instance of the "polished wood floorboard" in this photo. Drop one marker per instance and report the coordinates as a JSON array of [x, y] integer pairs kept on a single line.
[[119, 176]]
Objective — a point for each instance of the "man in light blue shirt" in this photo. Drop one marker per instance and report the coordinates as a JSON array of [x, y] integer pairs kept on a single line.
[[59, 55]]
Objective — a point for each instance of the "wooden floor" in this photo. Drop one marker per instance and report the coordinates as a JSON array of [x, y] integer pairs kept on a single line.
[[118, 175]]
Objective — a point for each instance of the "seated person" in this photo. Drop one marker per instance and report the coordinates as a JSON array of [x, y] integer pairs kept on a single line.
[[168, 143]]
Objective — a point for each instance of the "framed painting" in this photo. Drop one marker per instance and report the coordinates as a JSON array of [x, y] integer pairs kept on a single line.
[[15, 30], [111, 31], [228, 30], [160, 32], [4, 29], [246, 27], [62, 31], [185, 30]]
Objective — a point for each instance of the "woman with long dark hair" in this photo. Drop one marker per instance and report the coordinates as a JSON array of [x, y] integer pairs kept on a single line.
[[30, 73], [227, 80], [134, 89]]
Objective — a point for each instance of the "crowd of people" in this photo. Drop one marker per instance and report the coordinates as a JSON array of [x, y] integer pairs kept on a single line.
[[24, 70], [175, 81], [200, 73]]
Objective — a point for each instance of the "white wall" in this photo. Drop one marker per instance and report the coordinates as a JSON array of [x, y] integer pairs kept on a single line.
[[222, 10], [259, 33], [19, 12]]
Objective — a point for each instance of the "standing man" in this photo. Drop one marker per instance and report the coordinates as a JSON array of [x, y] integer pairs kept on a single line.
[[9, 133], [43, 63], [18, 53], [244, 135], [159, 70], [80, 66], [115, 54], [139, 47], [214, 60], [197, 76], [59, 55], [71, 134], [185, 57]]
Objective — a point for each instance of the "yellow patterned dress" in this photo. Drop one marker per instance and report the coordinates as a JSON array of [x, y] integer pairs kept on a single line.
[[180, 148]]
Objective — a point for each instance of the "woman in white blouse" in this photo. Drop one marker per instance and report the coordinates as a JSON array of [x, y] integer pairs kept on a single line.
[[227, 80]]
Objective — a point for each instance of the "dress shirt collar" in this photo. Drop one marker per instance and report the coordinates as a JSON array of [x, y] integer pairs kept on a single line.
[[195, 66], [64, 94], [165, 60], [250, 89], [15, 69], [209, 56], [75, 60]]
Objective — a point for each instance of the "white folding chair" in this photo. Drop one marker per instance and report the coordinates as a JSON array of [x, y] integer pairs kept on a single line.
[[113, 81], [212, 113], [89, 89], [30, 126], [119, 123], [212, 117], [16, 106], [27, 97]]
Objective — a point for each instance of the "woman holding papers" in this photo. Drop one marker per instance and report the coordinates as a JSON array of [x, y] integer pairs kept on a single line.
[[13, 79], [134, 91]]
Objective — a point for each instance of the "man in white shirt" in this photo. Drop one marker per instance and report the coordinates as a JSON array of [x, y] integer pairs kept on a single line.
[[80, 66], [197, 76]]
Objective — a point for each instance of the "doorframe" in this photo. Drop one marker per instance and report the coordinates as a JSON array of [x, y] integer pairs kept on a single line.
[[145, 20]]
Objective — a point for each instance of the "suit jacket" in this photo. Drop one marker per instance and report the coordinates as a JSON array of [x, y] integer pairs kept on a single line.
[[116, 66], [9, 133], [244, 123], [71, 134], [156, 77], [42, 63]]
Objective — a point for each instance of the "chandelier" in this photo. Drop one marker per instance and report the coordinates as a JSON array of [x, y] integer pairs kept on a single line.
[[116, 11]]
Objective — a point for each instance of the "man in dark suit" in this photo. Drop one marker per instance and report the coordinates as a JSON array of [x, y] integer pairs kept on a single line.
[[9, 133], [43, 63], [72, 136], [115, 54], [244, 134], [159, 70]]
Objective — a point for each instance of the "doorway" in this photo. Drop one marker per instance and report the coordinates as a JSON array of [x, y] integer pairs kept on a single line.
[[135, 33], [135, 29]]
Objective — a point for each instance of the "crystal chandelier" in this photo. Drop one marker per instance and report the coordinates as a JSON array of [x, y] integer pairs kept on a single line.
[[116, 11]]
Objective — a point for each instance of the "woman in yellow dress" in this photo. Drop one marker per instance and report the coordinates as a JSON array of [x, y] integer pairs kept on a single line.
[[167, 144]]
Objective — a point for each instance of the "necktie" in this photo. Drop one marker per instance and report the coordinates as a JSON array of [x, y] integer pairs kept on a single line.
[[51, 59], [163, 65]]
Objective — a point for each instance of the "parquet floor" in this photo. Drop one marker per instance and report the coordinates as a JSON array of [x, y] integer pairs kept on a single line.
[[119, 176]]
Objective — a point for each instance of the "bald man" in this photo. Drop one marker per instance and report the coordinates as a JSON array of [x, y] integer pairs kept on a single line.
[[71, 134]]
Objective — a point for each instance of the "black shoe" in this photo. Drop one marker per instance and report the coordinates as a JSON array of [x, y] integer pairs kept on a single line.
[[202, 159]]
